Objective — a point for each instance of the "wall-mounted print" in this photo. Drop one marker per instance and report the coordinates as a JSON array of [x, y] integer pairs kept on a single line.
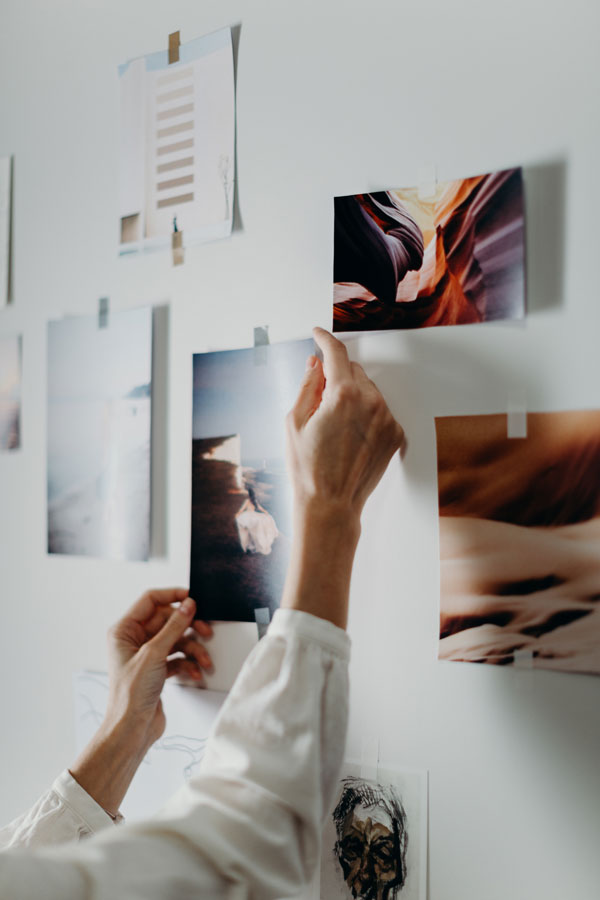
[[241, 495], [177, 145], [10, 393], [455, 258], [520, 540], [5, 226], [375, 839], [99, 418]]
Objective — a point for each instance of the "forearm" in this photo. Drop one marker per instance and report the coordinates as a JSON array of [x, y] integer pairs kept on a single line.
[[318, 578], [106, 767]]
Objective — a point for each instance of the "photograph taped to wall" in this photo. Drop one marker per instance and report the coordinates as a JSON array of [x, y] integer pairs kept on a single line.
[[10, 392], [5, 224], [453, 258], [375, 839], [99, 420], [177, 145], [174, 758], [520, 540], [241, 495]]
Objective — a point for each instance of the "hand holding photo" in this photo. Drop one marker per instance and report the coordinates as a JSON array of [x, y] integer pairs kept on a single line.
[[404, 261], [520, 540]]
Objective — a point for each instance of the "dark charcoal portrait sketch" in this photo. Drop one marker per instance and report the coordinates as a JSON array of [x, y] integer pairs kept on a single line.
[[520, 540], [374, 846], [401, 261], [99, 433], [241, 497]]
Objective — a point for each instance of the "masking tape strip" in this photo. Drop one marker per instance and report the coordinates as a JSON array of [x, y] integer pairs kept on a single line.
[[523, 659], [261, 342], [174, 43], [177, 248], [516, 418], [369, 758], [426, 182], [262, 616], [103, 312]]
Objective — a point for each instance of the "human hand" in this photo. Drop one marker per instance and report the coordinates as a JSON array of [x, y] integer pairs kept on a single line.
[[341, 434], [154, 640]]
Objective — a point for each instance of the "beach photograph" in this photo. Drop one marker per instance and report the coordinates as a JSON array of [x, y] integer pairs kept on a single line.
[[456, 257], [241, 495], [520, 540], [10, 392], [98, 443]]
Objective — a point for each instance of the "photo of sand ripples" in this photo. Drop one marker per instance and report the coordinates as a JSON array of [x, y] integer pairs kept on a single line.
[[520, 540]]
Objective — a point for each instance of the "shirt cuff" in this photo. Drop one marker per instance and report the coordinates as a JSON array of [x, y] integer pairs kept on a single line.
[[288, 622], [77, 799]]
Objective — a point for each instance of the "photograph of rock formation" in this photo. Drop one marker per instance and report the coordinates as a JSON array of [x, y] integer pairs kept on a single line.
[[455, 258]]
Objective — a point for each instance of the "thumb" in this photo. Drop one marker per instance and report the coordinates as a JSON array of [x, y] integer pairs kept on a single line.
[[174, 628], [311, 391]]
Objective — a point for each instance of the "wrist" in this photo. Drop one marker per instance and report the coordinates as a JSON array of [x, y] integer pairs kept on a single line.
[[318, 579], [107, 765], [332, 520]]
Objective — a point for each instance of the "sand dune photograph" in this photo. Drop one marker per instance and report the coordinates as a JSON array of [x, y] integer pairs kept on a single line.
[[520, 540]]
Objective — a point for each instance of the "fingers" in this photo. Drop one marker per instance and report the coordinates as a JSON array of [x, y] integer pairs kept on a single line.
[[311, 391], [173, 629], [194, 651], [204, 629], [145, 607], [181, 666], [336, 364]]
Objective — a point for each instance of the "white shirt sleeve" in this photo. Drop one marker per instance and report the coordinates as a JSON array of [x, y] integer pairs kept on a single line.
[[64, 813], [249, 825]]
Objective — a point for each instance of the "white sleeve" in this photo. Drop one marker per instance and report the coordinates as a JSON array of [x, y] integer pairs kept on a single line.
[[249, 825], [64, 813]]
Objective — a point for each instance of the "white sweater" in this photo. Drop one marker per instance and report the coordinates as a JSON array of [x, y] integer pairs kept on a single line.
[[248, 826]]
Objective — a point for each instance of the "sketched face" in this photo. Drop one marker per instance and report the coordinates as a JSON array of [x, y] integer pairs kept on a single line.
[[368, 854]]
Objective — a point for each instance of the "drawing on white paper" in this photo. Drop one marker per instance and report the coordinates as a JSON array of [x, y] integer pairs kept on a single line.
[[177, 139], [5, 224], [99, 432], [10, 393], [175, 757], [375, 840]]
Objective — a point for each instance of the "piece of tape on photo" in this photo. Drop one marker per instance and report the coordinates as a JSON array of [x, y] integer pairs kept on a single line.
[[261, 342], [523, 659], [177, 248], [262, 617], [426, 182], [174, 43], [369, 758], [516, 418], [103, 312]]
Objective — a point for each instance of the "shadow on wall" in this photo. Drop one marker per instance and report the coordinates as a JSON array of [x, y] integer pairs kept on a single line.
[[238, 225], [545, 207]]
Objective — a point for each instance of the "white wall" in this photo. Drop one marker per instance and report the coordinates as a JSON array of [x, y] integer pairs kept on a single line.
[[333, 97]]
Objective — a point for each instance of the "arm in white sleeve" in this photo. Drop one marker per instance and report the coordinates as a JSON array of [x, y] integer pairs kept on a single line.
[[64, 813], [249, 825]]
